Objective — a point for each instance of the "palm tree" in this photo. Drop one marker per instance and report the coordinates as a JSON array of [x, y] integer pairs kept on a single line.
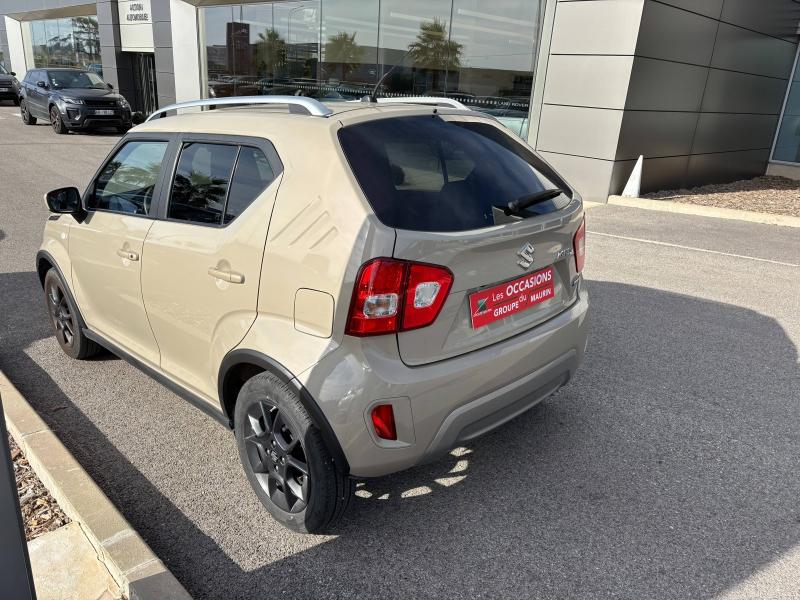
[[271, 52], [342, 49], [433, 50]]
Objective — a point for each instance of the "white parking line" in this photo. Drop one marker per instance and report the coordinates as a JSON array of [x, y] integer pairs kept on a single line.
[[643, 241]]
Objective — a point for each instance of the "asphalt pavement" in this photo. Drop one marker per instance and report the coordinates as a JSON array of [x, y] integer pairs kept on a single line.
[[668, 468]]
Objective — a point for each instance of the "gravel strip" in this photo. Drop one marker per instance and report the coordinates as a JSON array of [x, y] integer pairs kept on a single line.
[[767, 194], [40, 512]]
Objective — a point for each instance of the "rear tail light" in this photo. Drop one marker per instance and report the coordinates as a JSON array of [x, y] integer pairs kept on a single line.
[[396, 295], [579, 246], [383, 422]]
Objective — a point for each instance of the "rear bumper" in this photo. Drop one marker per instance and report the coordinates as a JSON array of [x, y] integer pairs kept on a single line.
[[444, 404]]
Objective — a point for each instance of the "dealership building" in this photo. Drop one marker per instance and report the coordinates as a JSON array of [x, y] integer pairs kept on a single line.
[[705, 90]]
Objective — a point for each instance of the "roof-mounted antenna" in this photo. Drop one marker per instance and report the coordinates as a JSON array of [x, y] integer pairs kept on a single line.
[[373, 97]]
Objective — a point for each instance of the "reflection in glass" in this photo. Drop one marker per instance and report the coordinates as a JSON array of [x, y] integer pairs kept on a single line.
[[72, 42], [787, 145], [339, 49]]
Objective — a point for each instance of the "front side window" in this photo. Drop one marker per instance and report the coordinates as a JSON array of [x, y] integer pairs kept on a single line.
[[426, 173], [3, 70], [128, 181]]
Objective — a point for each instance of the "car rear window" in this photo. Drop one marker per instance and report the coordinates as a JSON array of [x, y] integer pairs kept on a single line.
[[426, 173]]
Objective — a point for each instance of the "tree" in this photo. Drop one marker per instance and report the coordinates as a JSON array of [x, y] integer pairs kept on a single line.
[[342, 49], [433, 50], [270, 52]]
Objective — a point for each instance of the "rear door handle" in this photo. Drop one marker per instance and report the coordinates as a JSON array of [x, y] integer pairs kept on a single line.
[[127, 254], [229, 276]]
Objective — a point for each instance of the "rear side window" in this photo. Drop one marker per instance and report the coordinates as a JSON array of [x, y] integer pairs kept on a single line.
[[127, 182], [428, 174], [215, 183], [252, 176]]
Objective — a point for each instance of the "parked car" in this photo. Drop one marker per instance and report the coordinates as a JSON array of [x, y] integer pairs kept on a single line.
[[354, 291], [9, 86], [72, 99]]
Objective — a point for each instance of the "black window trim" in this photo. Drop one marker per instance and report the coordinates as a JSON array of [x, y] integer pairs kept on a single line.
[[259, 143], [155, 205]]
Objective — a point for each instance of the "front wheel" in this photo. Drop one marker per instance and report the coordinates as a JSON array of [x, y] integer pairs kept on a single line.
[[16, 101], [64, 319], [57, 122], [27, 117], [285, 458]]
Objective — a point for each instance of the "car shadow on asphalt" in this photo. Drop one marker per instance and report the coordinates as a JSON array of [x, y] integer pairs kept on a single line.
[[666, 469]]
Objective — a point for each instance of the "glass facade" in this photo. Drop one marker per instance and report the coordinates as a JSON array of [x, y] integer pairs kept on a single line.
[[340, 49], [70, 42], [787, 142]]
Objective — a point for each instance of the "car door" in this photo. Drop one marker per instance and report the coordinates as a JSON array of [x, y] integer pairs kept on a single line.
[[202, 259], [33, 96], [106, 248]]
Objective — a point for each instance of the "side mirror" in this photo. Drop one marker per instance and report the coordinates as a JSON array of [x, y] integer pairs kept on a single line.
[[41, 84], [13, 74], [111, 87], [64, 201]]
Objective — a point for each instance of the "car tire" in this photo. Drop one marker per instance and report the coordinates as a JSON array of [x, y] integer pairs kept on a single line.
[[285, 458], [65, 319], [57, 122], [16, 101], [27, 118], [123, 130]]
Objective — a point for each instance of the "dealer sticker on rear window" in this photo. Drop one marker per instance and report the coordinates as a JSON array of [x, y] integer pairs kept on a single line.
[[506, 299]]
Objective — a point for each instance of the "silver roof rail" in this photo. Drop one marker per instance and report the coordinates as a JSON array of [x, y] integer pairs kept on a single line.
[[428, 100], [297, 104]]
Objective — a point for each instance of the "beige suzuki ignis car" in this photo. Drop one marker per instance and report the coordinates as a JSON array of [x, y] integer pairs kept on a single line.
[[354, 289]]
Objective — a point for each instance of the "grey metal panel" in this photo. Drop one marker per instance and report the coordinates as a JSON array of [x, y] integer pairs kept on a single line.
[[656, 134], [600, 81], [665, 85], [774, 17], [107, 37], [107, 13], [742, 93], [709, 8], [725, 167], [590, 132], [165, 84], [657, 174], [108, 55], [674, 34], [596, 27], [738, 49], [591, 177], [160, 10], [718, 132], [163, 58], [162, 34]]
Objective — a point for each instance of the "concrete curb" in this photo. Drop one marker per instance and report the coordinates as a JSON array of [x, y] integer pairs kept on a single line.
[[706, 211], [130, 561]]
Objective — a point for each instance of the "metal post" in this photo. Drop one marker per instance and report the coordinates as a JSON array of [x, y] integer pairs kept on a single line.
[[15, 566]]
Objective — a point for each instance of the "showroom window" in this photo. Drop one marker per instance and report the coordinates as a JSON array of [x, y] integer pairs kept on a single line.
[[69, 42], [787, 140], [337, 50]]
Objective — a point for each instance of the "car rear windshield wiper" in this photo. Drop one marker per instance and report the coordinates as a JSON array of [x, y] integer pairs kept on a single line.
[[523, 202]]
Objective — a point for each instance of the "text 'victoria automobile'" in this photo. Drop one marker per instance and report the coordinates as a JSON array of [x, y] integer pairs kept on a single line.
[[72, 99], [353, 288]]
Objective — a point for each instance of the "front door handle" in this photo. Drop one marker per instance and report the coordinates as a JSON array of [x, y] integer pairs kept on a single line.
[[229, 276], [122, 253]]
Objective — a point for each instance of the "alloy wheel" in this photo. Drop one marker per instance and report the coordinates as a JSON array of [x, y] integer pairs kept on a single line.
[[61, 315], [277, 457], [55, 119]]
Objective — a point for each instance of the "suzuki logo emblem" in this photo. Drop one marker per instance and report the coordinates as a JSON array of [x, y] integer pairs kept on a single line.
[[525, 256]]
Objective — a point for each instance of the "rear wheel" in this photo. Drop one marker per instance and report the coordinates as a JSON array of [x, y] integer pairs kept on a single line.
[[57, 122], [285, 459], [27, 118], [64, 318]]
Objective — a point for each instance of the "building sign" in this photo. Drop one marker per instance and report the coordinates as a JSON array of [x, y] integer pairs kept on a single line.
[[135, 26]]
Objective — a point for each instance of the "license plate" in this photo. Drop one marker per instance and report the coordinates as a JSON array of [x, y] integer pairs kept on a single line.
[[104, 112], [5, 89], [509, 298]]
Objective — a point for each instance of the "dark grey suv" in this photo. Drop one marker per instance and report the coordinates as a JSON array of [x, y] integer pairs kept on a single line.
[[8, 85], [72, 99]]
